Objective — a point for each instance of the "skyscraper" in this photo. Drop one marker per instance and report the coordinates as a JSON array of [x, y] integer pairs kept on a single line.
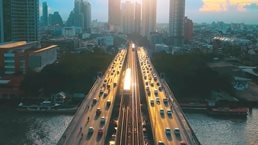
[[176, 21], [44, 14], [80, 16], [188, 29], [55, 19], [1, 22], [138, 14], [114, 14], [20, 20], [149, 14], [128, 17], [86, 14]]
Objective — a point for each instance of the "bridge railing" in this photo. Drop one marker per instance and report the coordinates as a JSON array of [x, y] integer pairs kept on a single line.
[[182, 119], [82, 107]]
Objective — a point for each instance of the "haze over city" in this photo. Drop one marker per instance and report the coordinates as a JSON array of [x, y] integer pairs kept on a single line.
[[128, 72], [198, 10]]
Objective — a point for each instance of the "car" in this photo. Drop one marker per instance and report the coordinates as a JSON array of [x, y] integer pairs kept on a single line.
[[98, 111], [94, 100], [108, 103], [155, 78], [101, 92], [102, 120], [161, 143], [90, 130], [168, 132], [152, 102], [169, 113], [157, 100], [183, 143], [156, 92], [106, 93], [161, 111], [147, 89], [100, 132], [177, 131], [148, 93], [165, 101]]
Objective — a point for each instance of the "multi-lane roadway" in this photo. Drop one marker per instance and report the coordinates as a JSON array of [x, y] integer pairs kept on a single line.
[[166, 128], [91, 121]]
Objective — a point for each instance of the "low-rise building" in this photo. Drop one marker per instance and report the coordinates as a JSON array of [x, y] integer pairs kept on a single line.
[[13, 56], [19, 57], [42, 57]]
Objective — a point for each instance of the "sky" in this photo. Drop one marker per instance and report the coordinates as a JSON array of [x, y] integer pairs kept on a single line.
[[230, 11]]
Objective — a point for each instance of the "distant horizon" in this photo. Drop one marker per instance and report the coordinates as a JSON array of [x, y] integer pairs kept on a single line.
[[200, 11]]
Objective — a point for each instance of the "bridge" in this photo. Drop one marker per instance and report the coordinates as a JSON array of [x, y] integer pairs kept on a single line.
[[129, 84]]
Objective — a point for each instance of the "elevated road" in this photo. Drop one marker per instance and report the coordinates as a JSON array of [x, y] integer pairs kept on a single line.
[[90, 123], [167, 126]]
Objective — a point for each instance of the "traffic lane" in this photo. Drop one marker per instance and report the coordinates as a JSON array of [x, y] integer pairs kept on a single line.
[[95, 123], [106, 113], [173, 122], [109, 110], [76, 132], [161, 121], [95, 138], [169, 123], [159, 127]]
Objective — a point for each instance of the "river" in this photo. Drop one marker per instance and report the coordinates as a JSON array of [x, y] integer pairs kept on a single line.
[[18, 128], [225, 131]]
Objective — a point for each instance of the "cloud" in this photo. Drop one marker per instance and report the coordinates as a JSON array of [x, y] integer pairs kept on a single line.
[[225, 5]]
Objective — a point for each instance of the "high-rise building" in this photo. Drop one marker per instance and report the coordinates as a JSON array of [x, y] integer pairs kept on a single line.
[[80, 16], [6, 20], [176, 21], [149, 14], [188, 29], [55, 19], [114, 15], [20, 20], [86, 13], [128, 17], [138, 14], [44, 14], [1, 22]]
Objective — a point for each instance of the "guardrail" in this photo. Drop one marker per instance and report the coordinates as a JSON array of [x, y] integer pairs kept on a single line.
[[184, 123], [178, 111], [63, 138]]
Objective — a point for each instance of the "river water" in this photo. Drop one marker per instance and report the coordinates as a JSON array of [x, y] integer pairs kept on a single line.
[[225, 131], [18, 128]]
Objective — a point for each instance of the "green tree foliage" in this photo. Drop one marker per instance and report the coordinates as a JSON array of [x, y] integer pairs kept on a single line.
[[189, 76], [73, 73]]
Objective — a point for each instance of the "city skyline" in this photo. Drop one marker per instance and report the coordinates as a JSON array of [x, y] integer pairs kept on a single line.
[[198, 10]]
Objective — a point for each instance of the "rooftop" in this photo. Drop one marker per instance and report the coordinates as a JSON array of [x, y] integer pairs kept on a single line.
[[44, 49], [12, 45]]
